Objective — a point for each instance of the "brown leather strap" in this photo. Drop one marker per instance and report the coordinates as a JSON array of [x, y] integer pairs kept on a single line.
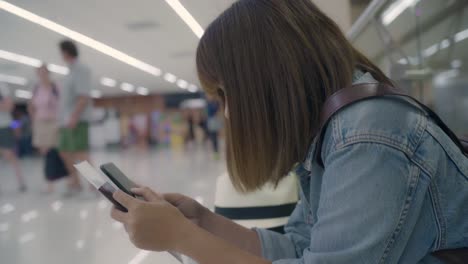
[[353, 94]]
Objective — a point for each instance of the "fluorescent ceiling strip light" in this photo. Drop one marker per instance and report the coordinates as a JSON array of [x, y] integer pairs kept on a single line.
[[13, 79], [127, 87], [395, 10], [185, 15], [431, 50], [142, 91], [96, 94], [6, 55], [58, 69], [170, 77], [462, 35], [20, 58], [85, 40], [193, 88], [456, 64], [108, 82], [183, 84], [23, 94]]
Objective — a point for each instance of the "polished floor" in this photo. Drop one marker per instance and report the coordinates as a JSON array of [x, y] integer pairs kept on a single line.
[[40, 228]]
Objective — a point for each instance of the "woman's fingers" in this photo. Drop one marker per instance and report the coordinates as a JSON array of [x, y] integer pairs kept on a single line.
[[174, 198], [147, 193], [118, 215], [124, 199]]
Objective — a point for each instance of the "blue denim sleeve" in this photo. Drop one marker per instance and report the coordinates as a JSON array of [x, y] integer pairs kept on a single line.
[[363, 214], [276, 246]]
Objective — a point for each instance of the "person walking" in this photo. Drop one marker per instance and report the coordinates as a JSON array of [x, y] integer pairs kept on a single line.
[[214, 124], [43, 110], [74, 114], [7, 136]]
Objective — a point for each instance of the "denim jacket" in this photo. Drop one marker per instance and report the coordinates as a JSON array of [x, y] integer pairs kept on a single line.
[[393, 189]]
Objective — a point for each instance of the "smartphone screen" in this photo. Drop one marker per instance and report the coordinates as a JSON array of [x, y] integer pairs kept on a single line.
[[99, 182], [118, 178]]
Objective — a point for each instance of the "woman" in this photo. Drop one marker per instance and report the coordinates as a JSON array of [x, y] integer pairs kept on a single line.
[[43, 109], [7, 137], [393, 187]]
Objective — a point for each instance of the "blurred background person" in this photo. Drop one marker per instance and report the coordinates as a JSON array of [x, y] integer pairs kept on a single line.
[[7, 136], [74, 114], [190, 135], [43, 109], [214, 124]]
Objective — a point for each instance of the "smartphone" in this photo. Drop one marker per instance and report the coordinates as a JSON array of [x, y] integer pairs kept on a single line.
[[119, 178], [99, 182]]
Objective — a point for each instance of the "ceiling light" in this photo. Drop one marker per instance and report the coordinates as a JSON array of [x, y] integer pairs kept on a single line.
[[403, 61], [185, 15], [142, 91], [6, 55], [58, 69], [444, 44], [20, 58], [13, 79], [170, 77], [85, 40], [462, 35], [23, 94], [108, 82], [96, 94], [182, 84], [127, 87], [431, 50], [193, 88], [456, 64], [444, 77], [395, 10]]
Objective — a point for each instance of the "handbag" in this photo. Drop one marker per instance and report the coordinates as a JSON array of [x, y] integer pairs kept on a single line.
[[54, 168], [356, 93]]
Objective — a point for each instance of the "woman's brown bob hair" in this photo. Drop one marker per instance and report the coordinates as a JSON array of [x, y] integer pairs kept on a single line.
[[274, 63]]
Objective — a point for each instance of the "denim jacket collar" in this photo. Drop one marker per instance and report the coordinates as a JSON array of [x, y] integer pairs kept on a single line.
[[358, 77]]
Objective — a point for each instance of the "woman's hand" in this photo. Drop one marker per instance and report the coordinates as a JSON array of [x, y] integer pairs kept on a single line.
[[165, 223], [154, 224], [190, 208]]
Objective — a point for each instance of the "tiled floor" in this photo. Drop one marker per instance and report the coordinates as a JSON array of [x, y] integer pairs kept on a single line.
[[38, 228]]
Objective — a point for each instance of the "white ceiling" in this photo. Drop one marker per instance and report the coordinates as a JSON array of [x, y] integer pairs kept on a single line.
[[166, 42]]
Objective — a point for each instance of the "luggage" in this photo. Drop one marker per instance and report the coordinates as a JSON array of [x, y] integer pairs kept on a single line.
[[54, 168]]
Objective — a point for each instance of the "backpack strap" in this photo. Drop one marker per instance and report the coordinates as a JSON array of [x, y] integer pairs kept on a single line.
[[356, 93]]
